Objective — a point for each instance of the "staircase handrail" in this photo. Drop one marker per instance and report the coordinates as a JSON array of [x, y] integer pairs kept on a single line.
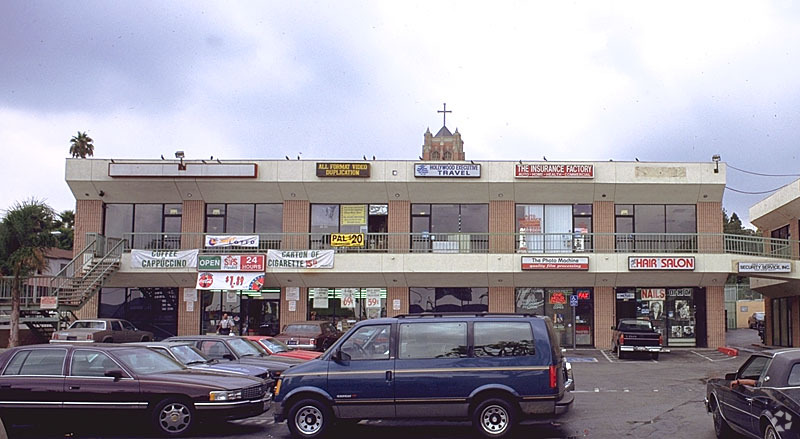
[[62, 279], [93, 276]]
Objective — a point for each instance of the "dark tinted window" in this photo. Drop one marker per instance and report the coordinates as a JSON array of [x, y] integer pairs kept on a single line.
[[794, 376], [118, 220], [269, 218], [433, 340], [368, 343], [37, 362], [115, 326], [91, 363], [503, 339], [240, 218]]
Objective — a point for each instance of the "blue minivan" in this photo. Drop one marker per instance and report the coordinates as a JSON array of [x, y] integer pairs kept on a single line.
[[494, 369]]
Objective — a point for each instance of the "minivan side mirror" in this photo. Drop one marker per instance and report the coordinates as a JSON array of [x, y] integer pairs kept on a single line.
[[341, 357]]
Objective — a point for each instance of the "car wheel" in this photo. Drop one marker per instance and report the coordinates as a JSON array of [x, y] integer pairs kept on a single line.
[[721, 427], [309, 418], [770, 433], [494, 418], [145, 338], [173, 417]]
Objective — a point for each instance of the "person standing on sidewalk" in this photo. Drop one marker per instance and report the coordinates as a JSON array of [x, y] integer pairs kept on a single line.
[[225, 324]]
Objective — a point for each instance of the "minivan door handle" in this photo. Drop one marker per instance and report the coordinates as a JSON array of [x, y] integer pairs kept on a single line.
[[388, 375]]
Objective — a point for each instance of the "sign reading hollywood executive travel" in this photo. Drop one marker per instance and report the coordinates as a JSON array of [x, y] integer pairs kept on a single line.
[[453, 170]]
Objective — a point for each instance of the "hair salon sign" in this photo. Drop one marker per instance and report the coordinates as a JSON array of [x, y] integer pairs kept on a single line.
[[661, 263]]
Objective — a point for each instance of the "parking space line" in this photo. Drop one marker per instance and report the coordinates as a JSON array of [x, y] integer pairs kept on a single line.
[[606, 355], [701, 355]]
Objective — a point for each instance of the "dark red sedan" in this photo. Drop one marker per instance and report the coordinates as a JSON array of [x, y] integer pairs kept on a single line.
[[69, 381], [314, 335]]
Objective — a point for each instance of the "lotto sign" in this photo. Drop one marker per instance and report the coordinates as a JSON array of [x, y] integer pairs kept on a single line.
[[232, 263], [347, 240], [669, 263], [230, 281], [215, 241]]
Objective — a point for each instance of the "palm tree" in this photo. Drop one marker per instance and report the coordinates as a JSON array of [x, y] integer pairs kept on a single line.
[[81, 145], [25, 236]]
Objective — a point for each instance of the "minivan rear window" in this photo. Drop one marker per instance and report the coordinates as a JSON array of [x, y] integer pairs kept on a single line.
[[503, 339], [433, 340]]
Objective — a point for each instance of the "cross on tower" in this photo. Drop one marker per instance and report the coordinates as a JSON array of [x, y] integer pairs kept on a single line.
[[444, 115]]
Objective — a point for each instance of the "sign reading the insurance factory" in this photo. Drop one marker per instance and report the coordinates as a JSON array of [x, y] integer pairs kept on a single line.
[[343, 170], [554, 170], [453, 170], [164, 258], [554, 263], [665, 263], [300, 258], [231, 263], [765, 267]]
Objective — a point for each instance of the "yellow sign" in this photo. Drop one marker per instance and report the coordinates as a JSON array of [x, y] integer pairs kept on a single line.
[[347, 240], [353, 214]]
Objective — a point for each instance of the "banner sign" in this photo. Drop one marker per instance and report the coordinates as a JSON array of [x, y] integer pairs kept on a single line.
[[553, 170], [455, 170], [231, 263], [300, 258], [164, 258], [668, 263], [343, 170], [653, 293], [348, 297], [230, 281], [48, 302], [347, 240], [320, 298], [765, 267], [373, 297], [554, 263], [216, 241], [353, 214]]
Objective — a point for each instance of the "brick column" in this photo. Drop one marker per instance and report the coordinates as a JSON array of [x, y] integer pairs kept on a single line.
[[715, 316], [296, 223], [709, 227], [399, 227], [502, 226], [502, 299], [603, 226], [301, 312], [795, 326], [189, 321], [88, 219], [396, 293], [193, 224], [768, 321], [605, 308]]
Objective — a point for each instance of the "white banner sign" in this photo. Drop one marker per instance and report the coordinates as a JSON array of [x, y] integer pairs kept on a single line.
[[765, 267], [217, 241], [373, 297], [163, 258], [230, 281], [299, 259], [348, 297]]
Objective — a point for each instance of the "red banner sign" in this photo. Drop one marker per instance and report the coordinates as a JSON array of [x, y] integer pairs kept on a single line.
[[668, 263], [553, 170]]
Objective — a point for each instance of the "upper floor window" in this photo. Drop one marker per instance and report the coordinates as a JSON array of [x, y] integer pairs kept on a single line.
[[145, 226], [554, 228], [450, 228], [244, 218], [656, 227], [370, 219]]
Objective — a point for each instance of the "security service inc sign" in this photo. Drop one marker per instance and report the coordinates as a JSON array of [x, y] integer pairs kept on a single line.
[[300, 259], [765, 267], [248, 263], [661, 263], [554, 170], [450, 170], [150, 259], [555, 263]]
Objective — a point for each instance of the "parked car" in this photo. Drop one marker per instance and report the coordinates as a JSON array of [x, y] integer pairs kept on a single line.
[[101, 330], [89, 382], [755, 320], [494, 369], [761, 399], [187, 354], [226, 348], [315, 335], [636, 336], [276, 347]]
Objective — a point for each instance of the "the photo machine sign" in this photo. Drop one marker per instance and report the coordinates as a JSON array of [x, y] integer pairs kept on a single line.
[[360, 170], [685, 263], [555, 263]]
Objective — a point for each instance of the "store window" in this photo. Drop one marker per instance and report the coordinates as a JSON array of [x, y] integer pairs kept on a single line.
[[555, 303], [144, 226], [656, 227], [265, 220], [253, 312], [369, 219], [782, 322], [450, 228], [554, 228], [780, 242], [150, 309], [448, 300], [672, 311], [346, 306]]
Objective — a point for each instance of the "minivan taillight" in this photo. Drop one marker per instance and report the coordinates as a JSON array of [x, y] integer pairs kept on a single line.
[[553, 377]]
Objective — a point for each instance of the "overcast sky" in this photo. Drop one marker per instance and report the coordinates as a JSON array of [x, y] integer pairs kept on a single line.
[[594, 80]]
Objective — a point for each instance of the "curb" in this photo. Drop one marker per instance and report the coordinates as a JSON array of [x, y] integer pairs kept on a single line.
[[731, 352]]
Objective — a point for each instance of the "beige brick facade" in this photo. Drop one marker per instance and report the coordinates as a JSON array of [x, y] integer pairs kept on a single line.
[[88, 219], [189, 321], [502, 219], [399, 226], [301, 311], [715, 316], [709, 221], [604, 316], [501, 299], [603, 222], [396, 293], [296, 223]]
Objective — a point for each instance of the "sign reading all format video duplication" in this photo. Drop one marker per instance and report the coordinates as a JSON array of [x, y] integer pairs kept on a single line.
[[360, 170]]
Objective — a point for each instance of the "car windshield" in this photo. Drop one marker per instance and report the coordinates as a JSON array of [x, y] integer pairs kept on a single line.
[[146, 361], [302, 329], [188, 354], [244, 348], [635, 325], [275, 346], [87, 324]]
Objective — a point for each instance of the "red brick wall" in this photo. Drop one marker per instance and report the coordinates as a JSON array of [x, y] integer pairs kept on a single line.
[[301, 311], [715, 316], [188, 322], [88, 219], [767, 320], [193, 224], [396, 293], [795, 321], [502, 299], [603, 222], [709, 221], [604, 316], [501, 226], [399, 226], [296, 220]]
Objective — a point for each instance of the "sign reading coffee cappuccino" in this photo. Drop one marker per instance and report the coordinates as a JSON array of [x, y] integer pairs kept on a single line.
[[164, 258], [554, 170], [554, 263], [343, 170], [765, 267]]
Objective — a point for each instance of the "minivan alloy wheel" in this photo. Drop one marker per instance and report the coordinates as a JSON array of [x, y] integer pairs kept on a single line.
[[494, 418]]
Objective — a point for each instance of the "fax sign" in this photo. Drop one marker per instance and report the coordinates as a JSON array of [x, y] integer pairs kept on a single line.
[[573, 300]]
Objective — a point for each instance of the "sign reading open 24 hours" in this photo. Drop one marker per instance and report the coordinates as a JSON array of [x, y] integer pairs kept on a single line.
[[231, 263], [661, 263], [455, 170]]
